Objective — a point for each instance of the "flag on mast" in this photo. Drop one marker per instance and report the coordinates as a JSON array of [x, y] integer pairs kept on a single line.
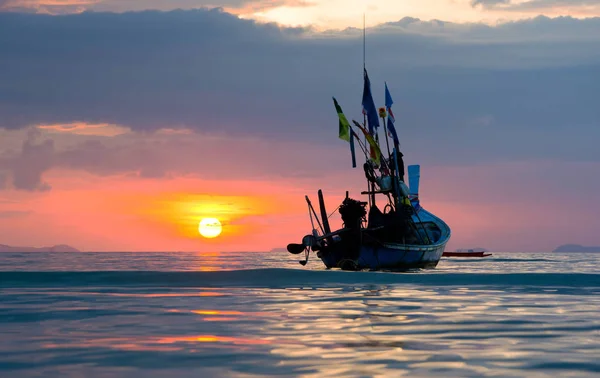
[[345, 131], [344, 125], [390, 120], [375, 150], [368, 104]]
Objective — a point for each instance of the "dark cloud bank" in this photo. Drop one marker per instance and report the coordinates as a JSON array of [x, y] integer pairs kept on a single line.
[[463, 93]]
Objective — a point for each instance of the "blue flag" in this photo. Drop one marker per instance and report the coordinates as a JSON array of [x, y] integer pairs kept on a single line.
[[369, 106], [391, 120], [388, 98]]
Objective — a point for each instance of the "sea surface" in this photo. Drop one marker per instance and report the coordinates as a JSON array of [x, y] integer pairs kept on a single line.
[[263, 314]]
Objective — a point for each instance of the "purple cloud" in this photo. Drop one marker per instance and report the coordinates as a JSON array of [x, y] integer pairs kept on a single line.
[[489, 3], [164, 154], [464, 94], [28, 167], [77, 6], [533, 4]]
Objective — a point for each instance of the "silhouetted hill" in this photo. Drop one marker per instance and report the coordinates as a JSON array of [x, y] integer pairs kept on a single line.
[[577, 248], [55, 248]]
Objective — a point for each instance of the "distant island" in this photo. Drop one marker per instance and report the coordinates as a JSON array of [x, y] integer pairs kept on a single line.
[[577, 248], [279, 249], [56, 248]]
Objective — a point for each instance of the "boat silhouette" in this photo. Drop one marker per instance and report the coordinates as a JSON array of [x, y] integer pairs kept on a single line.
[[403, 235]]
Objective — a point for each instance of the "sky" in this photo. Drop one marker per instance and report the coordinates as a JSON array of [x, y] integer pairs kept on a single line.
[[332, 14], [124, 123]]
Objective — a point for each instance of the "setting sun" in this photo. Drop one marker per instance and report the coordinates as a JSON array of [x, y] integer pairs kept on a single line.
[[210, 227]]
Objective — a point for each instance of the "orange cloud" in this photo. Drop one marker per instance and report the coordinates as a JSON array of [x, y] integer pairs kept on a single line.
[[258, 6], [82, 128], [50, 6], [77, 6], [37, 3], [25, 3]]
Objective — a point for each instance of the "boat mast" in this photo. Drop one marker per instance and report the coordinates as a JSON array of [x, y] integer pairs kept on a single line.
[[370, 185]]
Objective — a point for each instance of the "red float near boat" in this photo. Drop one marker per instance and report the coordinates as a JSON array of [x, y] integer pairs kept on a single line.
[[467, 253]]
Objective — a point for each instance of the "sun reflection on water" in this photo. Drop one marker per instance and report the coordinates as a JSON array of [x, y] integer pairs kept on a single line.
[[221, 325]]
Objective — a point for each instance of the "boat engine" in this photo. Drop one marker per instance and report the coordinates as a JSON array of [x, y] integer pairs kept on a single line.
[[353, 212]]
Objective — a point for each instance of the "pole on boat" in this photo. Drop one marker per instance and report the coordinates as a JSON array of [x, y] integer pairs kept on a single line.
[[295, 248], [312, 209], [360, 143], [324, 217], [382, 113], [393, 173], [369, 183]]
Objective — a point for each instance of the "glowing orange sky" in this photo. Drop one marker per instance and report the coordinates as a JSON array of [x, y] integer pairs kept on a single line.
[[117, 213], [325, 14]]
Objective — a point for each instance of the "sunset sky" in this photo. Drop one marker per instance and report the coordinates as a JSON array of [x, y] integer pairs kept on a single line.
[[121, 129]]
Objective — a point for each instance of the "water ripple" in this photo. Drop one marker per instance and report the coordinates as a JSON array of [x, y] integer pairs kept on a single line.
[[291, 322]]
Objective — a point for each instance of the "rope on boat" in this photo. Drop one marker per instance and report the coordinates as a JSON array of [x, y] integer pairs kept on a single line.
[[333, 212]]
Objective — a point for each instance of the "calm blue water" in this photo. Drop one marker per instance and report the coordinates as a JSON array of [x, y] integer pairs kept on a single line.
[[256, 315]]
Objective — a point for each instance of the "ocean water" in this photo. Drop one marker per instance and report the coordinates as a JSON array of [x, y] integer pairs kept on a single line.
[[262, 314]]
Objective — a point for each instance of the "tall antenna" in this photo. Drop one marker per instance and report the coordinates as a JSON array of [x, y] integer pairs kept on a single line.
[[364, 42]]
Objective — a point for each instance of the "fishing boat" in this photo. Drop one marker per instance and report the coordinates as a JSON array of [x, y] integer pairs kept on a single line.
[[400, 237], [476, 252]]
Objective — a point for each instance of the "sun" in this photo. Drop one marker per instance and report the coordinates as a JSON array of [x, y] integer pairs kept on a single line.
[[210, 228]]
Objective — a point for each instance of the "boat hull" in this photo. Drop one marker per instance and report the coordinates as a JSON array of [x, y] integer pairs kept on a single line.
[[392, 256], [401, 257]]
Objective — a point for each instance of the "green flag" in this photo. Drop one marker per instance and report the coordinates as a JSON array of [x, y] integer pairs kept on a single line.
[[344, 126]]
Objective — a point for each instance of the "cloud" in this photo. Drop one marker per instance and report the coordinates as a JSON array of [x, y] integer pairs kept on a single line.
[[45, 6], [28, 166], [13, 214], [165, 5], [3, 180], [77, 6], [80, 128], [535, 5], [165, 154], [505, 37], [489, 3], [464, 93], [135, 67]]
